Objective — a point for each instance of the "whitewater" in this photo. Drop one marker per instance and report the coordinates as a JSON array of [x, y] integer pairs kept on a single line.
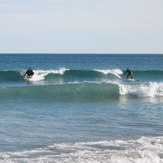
[[80, 108]]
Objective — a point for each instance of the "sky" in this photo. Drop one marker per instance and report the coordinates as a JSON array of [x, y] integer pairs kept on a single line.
[[81, 26]]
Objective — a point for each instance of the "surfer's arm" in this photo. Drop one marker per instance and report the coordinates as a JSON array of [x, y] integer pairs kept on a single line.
[[25, 74]]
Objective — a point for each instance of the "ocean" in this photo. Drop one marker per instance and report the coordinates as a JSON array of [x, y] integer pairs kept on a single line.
[[79, 108]]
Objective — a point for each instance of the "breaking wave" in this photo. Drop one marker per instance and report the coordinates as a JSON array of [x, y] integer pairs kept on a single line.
[[129, 151], [86, 91], [68, 84], [63, 73]]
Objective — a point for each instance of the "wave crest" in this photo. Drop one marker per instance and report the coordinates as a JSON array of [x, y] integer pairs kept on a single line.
[[152, 89]]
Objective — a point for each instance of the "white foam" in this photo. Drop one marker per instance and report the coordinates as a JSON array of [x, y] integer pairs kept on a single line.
[[40, 74], [116, 72], [152, 89], [143, 150]]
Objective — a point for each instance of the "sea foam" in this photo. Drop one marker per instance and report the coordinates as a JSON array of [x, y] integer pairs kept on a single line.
[[116, 72], [41, 74], [152, 89], [143, 150]]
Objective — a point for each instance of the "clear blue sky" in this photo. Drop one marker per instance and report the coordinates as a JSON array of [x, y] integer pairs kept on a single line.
[[81, 26]]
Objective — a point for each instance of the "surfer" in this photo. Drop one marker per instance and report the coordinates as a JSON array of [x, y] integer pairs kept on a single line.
[[129, 73], [29, 73]]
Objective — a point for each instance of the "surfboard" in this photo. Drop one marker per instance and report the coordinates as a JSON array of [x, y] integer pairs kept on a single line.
[[27, 78], [133, 79]]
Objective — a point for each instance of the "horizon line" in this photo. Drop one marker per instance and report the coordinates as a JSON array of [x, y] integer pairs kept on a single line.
[[84, 53]]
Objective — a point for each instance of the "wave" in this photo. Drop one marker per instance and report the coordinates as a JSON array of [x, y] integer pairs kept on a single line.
[[13, 76], [73, 74], [152, 89], [138, 151], [78, 85], [82, 91], [65, 92], [64, 75], [149, 75]]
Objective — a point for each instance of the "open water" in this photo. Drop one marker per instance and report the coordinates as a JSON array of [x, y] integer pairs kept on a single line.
[[80, 108]]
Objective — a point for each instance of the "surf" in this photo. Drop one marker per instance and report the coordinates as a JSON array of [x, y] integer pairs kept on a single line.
[[74, 84], [65, 75], [60, 76], [139, 150], [81, 91], [151, 89]]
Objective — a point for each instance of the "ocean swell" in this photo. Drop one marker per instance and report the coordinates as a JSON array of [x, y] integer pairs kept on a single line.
[[63, 73], [69, 75], [81, 91], [64, 92]]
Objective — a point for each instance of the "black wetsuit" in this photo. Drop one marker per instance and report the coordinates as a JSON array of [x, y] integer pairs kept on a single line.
[[129, 73], [29, 72]]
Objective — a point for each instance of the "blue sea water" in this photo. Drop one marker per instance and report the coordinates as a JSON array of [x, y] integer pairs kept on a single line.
[[81, 108]]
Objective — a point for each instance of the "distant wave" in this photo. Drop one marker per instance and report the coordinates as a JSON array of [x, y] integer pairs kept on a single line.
[[61, 74], [116, 72], [69, 75], [78, 74], [10, 76]]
